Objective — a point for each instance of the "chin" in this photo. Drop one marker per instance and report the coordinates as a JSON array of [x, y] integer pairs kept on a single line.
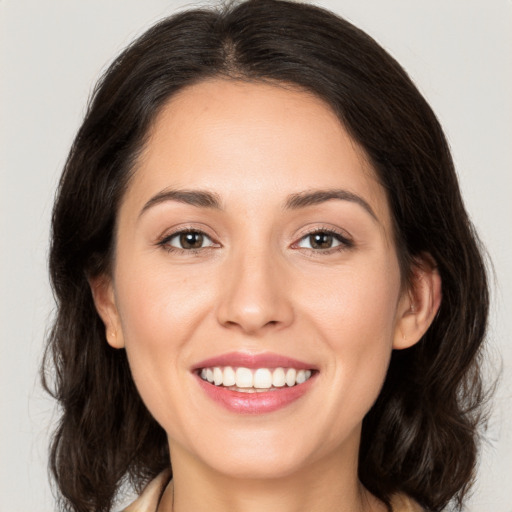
[[257, 455], [259, 468]]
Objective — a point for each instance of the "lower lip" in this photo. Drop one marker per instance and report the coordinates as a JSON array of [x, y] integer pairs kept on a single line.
[[255, 403]]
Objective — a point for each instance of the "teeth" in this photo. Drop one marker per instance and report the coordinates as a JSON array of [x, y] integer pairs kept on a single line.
[[217, 376], [261, 379], [291, 376], [243, 378], [229, 378], [278, 378]]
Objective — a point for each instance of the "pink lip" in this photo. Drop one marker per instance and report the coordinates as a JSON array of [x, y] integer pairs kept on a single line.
[[255, 403], [253, 361], [259, 402]]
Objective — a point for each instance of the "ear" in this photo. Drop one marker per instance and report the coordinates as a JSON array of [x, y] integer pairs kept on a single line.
[[419, 303], [104, 299]]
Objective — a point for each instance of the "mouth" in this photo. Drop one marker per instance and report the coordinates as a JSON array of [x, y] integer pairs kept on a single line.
[[259, 380], [254, 384]]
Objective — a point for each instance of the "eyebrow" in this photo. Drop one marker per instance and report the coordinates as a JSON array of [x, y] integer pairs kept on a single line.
[[314, 197], [199, 198], [205, 199]]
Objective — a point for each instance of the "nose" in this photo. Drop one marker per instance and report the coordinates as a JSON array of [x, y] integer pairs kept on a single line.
[[254, 296]]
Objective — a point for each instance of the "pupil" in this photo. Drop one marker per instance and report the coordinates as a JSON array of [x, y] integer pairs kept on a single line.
[[191, 240], [321, 241]]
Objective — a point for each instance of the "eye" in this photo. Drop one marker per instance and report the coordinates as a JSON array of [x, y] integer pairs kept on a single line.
[[187, 240], [323, 240]]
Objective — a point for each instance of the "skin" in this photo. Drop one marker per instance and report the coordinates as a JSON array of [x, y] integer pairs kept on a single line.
[[257, 286]]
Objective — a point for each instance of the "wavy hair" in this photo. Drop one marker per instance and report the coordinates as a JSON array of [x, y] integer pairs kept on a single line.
[[420, 437]]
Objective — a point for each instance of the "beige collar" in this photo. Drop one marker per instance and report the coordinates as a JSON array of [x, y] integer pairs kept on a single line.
[[148, 500]]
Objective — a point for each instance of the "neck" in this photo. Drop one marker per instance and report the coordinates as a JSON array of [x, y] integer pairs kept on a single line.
[[324, 486]]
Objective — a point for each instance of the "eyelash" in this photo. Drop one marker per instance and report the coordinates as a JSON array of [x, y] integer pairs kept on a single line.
[[344, 242], [165, 241]]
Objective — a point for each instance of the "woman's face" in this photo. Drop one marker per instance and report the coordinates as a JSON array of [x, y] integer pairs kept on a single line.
[[252, 237]]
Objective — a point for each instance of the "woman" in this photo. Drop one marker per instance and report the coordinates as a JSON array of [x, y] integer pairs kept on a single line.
[[265, 277]]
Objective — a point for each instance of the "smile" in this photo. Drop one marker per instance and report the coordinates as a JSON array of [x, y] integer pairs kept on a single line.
[[262, 383], [247, 380]]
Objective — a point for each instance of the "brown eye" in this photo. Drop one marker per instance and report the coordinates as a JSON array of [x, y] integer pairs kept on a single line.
[[192, 240], [187, 241], [321, 240]]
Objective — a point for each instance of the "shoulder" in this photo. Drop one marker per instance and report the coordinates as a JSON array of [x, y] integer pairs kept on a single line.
[[402, 503], [149, 498]]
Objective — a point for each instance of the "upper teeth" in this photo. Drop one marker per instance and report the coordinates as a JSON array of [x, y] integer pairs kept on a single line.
[[260, 378]]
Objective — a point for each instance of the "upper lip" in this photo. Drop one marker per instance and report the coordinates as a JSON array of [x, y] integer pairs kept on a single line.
[[253, 361]]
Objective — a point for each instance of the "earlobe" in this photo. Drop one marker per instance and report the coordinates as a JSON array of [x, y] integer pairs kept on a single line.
[[419, 304], [104, 300]]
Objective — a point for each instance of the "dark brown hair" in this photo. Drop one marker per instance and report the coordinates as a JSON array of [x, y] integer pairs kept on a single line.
[[420, 437]]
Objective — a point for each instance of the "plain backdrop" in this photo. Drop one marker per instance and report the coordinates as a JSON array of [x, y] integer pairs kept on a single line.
[[459, 53]]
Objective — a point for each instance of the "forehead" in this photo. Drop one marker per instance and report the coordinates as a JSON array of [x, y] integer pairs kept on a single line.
[[261, 139]]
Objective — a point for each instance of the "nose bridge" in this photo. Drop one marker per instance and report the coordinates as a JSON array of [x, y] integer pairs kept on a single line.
[[254, 295]]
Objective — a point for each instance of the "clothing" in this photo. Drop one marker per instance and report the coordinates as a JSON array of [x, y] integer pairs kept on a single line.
[[148, 500]]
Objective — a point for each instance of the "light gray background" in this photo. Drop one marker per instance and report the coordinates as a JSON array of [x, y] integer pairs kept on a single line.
[[459, 52]]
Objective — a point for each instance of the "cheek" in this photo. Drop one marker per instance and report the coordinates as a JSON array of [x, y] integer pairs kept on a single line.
[[159, 312], [356, 305], [158, 305], [356, 316]]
